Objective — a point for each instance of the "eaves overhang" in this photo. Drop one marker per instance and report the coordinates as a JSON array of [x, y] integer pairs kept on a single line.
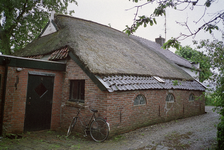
[[22, 62], [116, 83], [131, 82]]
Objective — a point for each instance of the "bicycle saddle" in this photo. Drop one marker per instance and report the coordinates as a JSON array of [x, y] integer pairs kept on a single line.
[[94, 110]]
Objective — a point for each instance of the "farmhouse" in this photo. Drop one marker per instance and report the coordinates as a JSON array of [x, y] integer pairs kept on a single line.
[[129, 83]]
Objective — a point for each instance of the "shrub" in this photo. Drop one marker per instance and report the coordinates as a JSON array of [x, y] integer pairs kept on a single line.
[[220, 134], [209, 100]]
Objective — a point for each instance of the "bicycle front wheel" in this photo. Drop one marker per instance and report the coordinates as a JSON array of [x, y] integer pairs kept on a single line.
[[71, 127], [99, 130]]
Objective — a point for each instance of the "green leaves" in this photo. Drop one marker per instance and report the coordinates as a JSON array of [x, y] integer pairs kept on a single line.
[[210, 28], [23, 20], [208, 3], [171, 43], [143, 20], [198, 57]]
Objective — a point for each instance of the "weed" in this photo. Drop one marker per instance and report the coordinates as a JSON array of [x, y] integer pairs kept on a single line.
[[142, 134], [118, 137], [174, 140], [77, 134], [49, 132], [54, 146], [76, 146]]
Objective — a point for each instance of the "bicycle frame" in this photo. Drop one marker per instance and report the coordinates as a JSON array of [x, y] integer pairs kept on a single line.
[[93, 117], [98, 128]]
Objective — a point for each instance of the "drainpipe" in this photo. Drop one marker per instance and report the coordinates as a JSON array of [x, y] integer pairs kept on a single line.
[[6, 61]]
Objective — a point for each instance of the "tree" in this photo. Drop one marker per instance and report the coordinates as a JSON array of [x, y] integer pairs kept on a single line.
[[198, 57], [179, 5], [22, 20], [215, 52]]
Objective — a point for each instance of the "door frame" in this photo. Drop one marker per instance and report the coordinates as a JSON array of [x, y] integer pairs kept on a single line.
[[43, 74]]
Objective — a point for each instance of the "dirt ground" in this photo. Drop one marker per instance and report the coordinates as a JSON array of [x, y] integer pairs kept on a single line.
[[194, 133]]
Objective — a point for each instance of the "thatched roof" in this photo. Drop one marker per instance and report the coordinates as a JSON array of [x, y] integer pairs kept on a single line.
[[104, 50], [167, 53]]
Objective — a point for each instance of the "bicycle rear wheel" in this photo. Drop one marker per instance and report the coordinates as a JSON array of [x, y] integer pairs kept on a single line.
[[99, 130], [71, 127]]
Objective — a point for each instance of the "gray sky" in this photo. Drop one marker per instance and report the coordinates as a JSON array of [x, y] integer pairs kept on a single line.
[[114, 12]]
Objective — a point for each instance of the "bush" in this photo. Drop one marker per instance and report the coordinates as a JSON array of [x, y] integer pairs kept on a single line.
[[220, 134], [209, 100]]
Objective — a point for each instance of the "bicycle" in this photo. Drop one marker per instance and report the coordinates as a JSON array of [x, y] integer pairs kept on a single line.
[[97, 127]]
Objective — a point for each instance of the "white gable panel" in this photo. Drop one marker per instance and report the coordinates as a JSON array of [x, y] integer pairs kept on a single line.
[[50, 29]]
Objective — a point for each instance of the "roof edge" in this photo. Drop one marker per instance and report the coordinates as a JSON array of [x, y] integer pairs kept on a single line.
[[86, 70]]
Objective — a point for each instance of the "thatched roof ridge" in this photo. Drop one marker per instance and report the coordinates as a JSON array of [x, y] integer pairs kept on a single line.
[[104, 50]]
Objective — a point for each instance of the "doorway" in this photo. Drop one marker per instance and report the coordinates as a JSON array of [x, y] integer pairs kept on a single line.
[[39, 101]]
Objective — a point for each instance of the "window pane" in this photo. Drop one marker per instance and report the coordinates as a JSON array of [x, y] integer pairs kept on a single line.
[[191, 97], [170, 98], [139, 100], [77, 90]]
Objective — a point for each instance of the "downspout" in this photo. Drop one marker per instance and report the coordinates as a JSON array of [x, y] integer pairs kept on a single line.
[[6, 61]]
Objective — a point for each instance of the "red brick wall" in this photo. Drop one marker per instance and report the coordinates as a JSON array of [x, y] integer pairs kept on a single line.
[[124, 116], [15, 102], [94, 97], [119, 107]]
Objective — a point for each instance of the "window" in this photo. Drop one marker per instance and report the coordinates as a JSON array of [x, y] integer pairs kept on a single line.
[[191, 97], [140, 100], [77, 90], [170, 98]]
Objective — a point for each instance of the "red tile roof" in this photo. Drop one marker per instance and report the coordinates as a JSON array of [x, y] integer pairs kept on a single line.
[[59, 54]]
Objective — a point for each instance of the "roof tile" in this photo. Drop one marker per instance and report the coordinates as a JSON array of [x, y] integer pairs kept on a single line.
[[126, 83]]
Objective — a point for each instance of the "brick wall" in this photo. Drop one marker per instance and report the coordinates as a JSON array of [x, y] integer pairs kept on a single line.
[[123, 116], [2, 72], [15, 102], [94, 97], [119, 107]]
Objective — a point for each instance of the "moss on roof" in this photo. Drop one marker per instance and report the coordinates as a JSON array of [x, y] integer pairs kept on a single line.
[[104, 50]]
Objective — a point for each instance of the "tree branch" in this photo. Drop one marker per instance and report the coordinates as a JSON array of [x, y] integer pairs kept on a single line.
[[18, 18]]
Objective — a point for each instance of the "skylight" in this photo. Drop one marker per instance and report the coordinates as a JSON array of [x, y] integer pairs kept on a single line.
[[159, 79]]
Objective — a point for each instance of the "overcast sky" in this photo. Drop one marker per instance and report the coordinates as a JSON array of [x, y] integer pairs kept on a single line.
[[115, 14]]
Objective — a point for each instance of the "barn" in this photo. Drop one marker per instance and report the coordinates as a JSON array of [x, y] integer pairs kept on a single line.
[[72, 60]]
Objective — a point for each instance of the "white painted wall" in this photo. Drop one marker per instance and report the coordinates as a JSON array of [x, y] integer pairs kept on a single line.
[[50, 28]]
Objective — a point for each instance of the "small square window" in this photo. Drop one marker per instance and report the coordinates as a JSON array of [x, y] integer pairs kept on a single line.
[[77, 91]]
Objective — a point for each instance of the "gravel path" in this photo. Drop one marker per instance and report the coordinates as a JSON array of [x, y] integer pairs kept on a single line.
[[193, 133]]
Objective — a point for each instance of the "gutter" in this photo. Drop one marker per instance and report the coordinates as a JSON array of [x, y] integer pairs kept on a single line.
[[6, 62]]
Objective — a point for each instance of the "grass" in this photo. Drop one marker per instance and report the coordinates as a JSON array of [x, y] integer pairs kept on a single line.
[[118, 138]]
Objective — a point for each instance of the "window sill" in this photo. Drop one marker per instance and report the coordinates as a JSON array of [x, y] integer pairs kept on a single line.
[[169, 101], [140, 105], [74, 104]]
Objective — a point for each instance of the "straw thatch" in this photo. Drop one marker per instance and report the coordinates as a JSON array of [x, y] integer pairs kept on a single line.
[[104, 50]]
